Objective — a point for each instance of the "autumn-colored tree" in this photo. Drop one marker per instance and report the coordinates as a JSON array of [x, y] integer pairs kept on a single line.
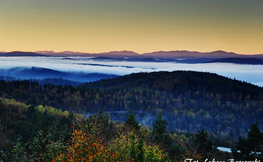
[[86, 147], [191, 155]]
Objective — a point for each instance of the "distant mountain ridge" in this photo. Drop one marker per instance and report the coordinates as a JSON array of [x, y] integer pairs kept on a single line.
[[19, 53], [158, 54], [251, 61], [189, 54]]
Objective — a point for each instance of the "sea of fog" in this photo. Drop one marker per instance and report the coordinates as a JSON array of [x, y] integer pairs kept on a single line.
[[249, 73]]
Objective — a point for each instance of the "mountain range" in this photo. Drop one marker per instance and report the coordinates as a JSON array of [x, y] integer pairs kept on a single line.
[[253, 61], [191, 57], [158, 54]]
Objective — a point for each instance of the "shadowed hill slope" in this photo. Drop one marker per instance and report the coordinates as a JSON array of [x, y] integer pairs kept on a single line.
[[178, 82]]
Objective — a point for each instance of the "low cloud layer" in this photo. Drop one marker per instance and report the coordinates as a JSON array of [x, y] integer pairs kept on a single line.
[[249, 73]]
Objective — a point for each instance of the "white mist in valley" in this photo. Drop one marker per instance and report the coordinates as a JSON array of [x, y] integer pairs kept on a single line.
[[248, 73]]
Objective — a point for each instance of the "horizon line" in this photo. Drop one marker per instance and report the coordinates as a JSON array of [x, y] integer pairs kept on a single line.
[[78, 52]]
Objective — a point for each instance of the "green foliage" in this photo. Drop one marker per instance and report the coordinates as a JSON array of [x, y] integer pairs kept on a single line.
[[134, 148], [175, 151], [189, 100], [159, 127], [163, 139], [255, 138], [243, 148], [131, 121], [50, 138], [202, 143], [26, 132], [140, 154], [24, 128], [18, 152], [247, 148]]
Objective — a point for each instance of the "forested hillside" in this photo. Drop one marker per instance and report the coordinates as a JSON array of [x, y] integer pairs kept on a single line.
[[47, 134], [181, 81], [189, 101], [165, 115]]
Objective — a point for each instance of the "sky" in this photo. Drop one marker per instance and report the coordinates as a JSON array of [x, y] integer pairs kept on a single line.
[[141, 26]]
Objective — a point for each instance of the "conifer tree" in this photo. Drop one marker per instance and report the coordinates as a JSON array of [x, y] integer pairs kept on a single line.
[[255, 138], [159, 135], [131, 121], [247, 148], [202, 142], [159, 127]]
